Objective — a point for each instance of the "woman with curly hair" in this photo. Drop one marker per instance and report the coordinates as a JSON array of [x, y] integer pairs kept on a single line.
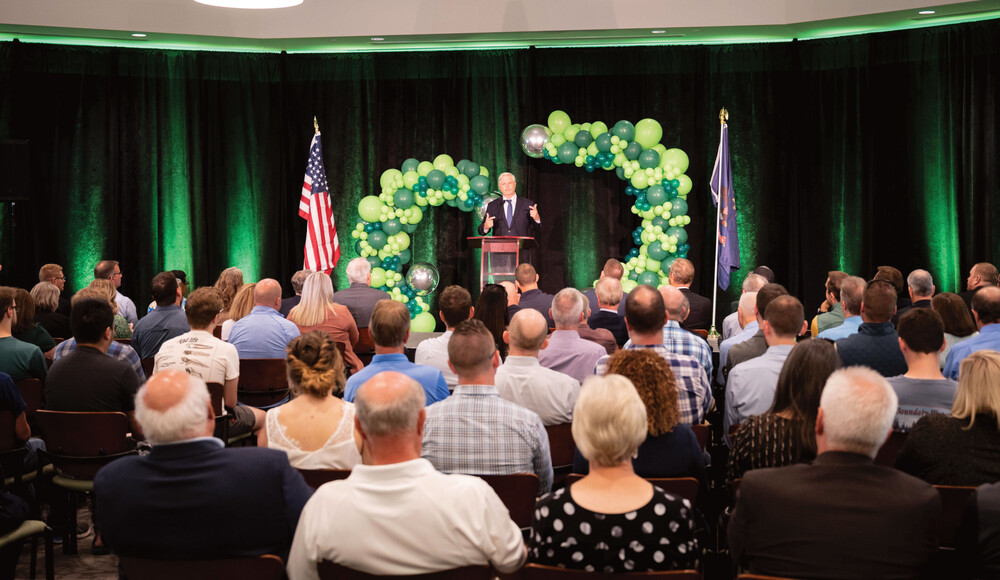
[[315, 428], [241, 305], [229, 283], [671, 448]]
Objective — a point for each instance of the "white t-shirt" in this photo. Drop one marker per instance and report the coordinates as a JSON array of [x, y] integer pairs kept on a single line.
[[201, 354]]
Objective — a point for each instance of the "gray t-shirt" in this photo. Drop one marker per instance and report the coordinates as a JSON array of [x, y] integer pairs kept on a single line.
[[918, 397]]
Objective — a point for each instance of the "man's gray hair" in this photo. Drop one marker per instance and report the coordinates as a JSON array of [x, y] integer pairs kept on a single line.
[[184, 420], [753, 283], [748, 301], [921, 282], [852, 292], [609, 291], [858, 407], [397, 416], [676, 303], [358, 270], [299, 279], [567, 306], [505, 174]]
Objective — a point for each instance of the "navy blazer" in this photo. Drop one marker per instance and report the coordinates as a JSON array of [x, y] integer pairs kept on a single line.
[[611, 321], [700, 316], [521, 222], [196, 500]]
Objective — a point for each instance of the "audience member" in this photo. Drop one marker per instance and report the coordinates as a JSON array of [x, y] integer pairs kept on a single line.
[[390, 327], [106, 288], [359, 297], [612, 520], [298, 280], [766, 272], [513, 298], [241, 305], [475, 431], [182, 288], [611, 313], [731, 325], [599, 336], [228, 284], [190, 498], [199, 353], [316, 310], [264, 333], [645, 316], [840, 516], [567, 352], [920, 286], [531, 297], [786, 434], [454, 306], [960, 448], [749, 327], [613, 270], [852, 291], [164, 323], [978, 538], [522, 380], [116, 350], [53, 274], [831, 314], [958, 323], [876, 344], [982, 275], [86, 379], [751, 385], [373, 520], [315, 428], [110, 270], [24, 327], [681, 276], [494, 311], [671, 448], [986, 312], [12, 401], [46, 297], [678, 340], [18, 359], [923, 389], [894, 277], [756, 345]]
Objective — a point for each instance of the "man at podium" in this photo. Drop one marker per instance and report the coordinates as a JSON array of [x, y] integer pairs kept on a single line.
[[511, 215]]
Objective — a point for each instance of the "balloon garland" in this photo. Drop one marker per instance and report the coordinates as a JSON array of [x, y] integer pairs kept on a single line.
[[387, 220], [654, 175]]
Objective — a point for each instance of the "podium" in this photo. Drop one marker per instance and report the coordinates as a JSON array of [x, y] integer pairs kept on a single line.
[[501, 255]]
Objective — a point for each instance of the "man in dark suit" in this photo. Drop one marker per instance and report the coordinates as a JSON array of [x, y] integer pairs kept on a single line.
[[681, 276], [190, 498], [359, 297], [298, 279], [612, 269], [531, 297], [920, 286], [511, 215], [841, 516], [609, 298]]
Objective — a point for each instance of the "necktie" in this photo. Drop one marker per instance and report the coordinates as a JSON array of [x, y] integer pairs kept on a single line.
[[510, 212]]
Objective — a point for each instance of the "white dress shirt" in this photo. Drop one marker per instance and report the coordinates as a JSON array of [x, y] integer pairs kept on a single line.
[[434, 352], [551, 394]]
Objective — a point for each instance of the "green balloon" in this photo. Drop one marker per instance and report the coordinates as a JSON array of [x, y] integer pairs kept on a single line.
[[597, 128], [677, 158], [628, 286], [370, 208], [656, 195], [377, 240], [648, 158], [652, 265], [409, 228], [624, 130], [656, 252], [435, 178], [633, 151], [678, 207], [378, 277], [375, 262], [403, 198], [404, 256], [583, 138], [410, 165], [567, 152], [639, 180], [558, 121], [648, 132], [603, 142], [570, 132], [480, 184], [649, 278], [677, 232], [357, 247], [402, 240], [443, 162], [392, 227], [685, 185], [410, 178], [662, 222], [423, 322], [416, 214], [471, 170], [388, 177]]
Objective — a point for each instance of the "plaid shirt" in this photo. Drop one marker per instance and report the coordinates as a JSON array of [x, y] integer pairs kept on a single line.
[[694, 392], [680, 341], [116, 350], [476, 432]]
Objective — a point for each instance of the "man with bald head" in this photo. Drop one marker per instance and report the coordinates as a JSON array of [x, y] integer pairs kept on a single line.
[[676, 339], [437, 522], [520, 379], [526, 279], [163, 323], [986, 312], [264, 333], [240, 502]]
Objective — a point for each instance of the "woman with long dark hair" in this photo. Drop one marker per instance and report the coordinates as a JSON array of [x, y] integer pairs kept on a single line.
[[491, 309], [958, 323]]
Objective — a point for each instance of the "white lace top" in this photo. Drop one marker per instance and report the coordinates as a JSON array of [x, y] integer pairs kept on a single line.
[[339, 452]]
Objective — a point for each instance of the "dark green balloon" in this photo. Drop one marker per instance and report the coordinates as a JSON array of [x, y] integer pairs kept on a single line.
[[567, 152], [404, 256], [603, 142], [662, 222], [679, 233], [656, 251], [632, 151], [649, 278], [655, 195], [410, 228], [620, 173], [377, 239], [409, 165], [678, 207], [471, 170], [392, 227], [435, 178], [583, 138], [649, 158], [357, 247], [374, 261], [624, 130], [403, 198], [480, 184], [461, 165]]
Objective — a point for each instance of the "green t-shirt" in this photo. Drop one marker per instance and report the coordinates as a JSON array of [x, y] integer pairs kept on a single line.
[[21, 360]]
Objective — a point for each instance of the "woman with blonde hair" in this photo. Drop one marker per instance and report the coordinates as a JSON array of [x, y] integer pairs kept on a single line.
[[316, 311], [315, 428], [46, 297], [241, 305], [122, 328], [962, 448], [229, 283]]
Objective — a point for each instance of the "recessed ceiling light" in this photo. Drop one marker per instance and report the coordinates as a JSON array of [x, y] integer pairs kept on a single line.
[[255, 4], [659, 31], [138, 35], [378, 38], [926, 12]]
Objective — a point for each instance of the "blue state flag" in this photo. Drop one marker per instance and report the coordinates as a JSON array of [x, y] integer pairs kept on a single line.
[[722, 192]]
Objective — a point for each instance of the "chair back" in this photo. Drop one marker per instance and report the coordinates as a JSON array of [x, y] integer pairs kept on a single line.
[[216, 392], [12, 452], [330, 571], [685, 487], [317, 477], [953, 502], [147, 366], [266, 567], [541, 572], [263, 381], [348, 367], [701, 333], [561, 444], [365, 349], [33, 393], [8, 437], [217, 331], [517, 491], [701, 432], [890, 449], [79, 444]]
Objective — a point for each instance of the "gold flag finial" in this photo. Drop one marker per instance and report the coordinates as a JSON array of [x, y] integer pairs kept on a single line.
[[316, 123], [723, 116]]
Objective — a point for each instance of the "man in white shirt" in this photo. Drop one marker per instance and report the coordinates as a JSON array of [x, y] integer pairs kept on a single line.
[[199, 353], [454, 306], [520, 379], [395, 514]]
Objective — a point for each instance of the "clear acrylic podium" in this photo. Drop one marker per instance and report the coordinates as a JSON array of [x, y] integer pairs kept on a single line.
[[501, 255]]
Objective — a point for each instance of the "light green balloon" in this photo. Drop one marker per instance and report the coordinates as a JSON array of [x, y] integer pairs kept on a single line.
[[389, 176], [558, 121], [403, 240], [677, 158], [370, 208], [415, 216], [652, 265], [443, 162], [378, 277], [648, 133], [628, 286], [424, 168], [410, 179], [598, 128], [557, 139], [423, 322], [639, 180], [685, 185], [570, 132]]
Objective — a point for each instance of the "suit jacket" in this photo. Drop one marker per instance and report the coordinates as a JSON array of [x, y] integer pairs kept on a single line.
[[701, 311], [288, 303], [591, 295], [839, 517], [918, 304], [538, 300], [360, 299], [521, 222], [613, 322], [196, 500], [600, 336]]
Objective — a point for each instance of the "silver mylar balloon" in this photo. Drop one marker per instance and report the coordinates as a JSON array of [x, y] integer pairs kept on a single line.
[[533, 140], [423, 277], [487, 198]]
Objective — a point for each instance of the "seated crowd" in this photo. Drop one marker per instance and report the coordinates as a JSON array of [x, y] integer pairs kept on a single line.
[[800, 407]]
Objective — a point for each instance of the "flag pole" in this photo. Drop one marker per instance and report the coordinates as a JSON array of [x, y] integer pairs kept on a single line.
[[315, 124], [723, 117]]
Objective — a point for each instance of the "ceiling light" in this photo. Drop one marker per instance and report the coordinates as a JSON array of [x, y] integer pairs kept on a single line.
[[256, 4], [378, 38], [926, 12], [138, 35], [659, 31]]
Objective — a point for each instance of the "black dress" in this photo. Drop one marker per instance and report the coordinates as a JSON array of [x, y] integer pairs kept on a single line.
[[941, 451]]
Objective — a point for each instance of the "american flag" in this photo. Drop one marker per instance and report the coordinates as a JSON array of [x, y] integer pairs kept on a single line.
[[723, 193], [322, 249]]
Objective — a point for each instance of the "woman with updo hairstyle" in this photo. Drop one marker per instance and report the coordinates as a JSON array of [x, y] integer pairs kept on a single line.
[[491, 309], [315, 428], [958, 323]]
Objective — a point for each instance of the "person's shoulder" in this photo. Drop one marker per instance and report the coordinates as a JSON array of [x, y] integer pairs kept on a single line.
[[119, 474]]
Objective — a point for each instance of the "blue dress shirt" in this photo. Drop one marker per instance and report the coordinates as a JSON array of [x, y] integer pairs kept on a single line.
[[429, 377], [744, 335], [751, 386], [987, 339], [264, 333], [849, 327], [158, 327]]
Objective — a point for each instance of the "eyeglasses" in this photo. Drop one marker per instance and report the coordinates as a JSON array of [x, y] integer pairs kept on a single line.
[[61, 278]]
